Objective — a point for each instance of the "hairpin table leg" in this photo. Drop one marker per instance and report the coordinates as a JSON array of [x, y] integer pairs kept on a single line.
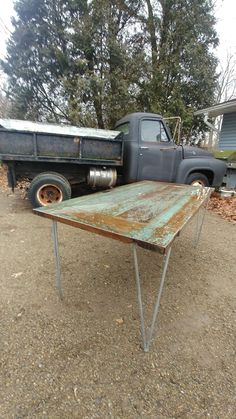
[[147, 334], [200, 222], [57, 258]]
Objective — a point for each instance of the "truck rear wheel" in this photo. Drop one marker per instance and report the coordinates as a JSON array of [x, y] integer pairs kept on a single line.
[[197, 179], [48, 188]]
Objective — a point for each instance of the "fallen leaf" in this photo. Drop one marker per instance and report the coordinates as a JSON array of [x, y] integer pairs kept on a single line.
[[120, 321], [75, 394], [16, 275]]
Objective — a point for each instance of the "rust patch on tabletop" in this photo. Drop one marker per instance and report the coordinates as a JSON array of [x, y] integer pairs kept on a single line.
[[143, 214], [176, 222], [108, 221]]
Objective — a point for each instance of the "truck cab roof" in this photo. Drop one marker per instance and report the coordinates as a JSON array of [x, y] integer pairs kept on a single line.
[[137, 115]]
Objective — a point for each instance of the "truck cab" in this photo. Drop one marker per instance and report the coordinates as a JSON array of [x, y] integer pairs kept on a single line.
[[150, 153]]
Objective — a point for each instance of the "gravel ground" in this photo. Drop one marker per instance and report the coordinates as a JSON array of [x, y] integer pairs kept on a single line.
[[81, 358]]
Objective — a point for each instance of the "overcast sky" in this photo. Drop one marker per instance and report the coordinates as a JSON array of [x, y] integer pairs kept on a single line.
[[226, 27]]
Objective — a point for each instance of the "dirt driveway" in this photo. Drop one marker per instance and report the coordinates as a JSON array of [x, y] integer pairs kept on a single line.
[[81, 358]]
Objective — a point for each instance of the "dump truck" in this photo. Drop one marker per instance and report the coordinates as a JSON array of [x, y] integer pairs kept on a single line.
[[56, 158]]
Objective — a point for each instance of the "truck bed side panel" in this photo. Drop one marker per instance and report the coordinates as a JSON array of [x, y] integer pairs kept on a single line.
[[12, 143], [16, 145]]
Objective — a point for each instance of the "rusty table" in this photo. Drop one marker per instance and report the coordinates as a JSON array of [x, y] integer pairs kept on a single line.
[[147, 214]]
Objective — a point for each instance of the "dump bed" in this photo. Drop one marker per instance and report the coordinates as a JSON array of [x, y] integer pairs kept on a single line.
[[30, 141]]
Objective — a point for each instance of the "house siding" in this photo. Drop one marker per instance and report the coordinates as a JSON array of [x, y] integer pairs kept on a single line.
[[227, 139]]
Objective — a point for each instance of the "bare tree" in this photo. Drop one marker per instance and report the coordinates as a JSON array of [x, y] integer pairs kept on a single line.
[[226, 89], [5, 105]]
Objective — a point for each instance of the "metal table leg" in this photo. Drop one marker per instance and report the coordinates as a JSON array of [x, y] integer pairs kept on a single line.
[[148, 333], [200, 222], [57, 258], [139, 297]]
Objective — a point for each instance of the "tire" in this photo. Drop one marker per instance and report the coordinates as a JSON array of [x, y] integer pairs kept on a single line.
[[196, 179], [48, 188]]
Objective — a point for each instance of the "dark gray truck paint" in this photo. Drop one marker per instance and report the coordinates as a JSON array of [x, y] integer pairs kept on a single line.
[[146, 152], [147, 157]]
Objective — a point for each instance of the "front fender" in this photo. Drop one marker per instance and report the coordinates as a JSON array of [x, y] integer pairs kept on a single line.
[[214, 167]]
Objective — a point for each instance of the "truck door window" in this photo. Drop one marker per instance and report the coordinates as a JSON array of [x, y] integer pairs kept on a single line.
[[153, 131]]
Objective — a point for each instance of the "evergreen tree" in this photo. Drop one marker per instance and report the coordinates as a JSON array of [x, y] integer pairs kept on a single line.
[[89, 62], [183, 76]]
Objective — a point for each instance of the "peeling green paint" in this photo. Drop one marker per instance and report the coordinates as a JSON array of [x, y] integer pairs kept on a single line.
[[147, 212]]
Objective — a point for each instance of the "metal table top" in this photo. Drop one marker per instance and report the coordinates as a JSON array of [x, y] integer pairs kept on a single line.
[[149, 213]]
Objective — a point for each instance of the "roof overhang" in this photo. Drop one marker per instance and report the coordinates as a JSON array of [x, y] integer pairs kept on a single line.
[[219, 109]]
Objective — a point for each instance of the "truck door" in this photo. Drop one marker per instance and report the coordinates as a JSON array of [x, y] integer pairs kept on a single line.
[[158, 156]]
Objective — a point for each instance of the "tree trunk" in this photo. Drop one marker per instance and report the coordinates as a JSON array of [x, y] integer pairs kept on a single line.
[[152, 32]]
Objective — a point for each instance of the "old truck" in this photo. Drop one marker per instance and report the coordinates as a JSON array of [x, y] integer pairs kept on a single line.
[[55, 158]]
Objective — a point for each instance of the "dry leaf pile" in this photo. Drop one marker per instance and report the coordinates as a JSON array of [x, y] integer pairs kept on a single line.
[[225, 207], [3, 179], [22, 185]]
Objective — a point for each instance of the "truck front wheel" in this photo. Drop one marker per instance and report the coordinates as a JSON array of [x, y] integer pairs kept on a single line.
[[196, 179], [48, 188]]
